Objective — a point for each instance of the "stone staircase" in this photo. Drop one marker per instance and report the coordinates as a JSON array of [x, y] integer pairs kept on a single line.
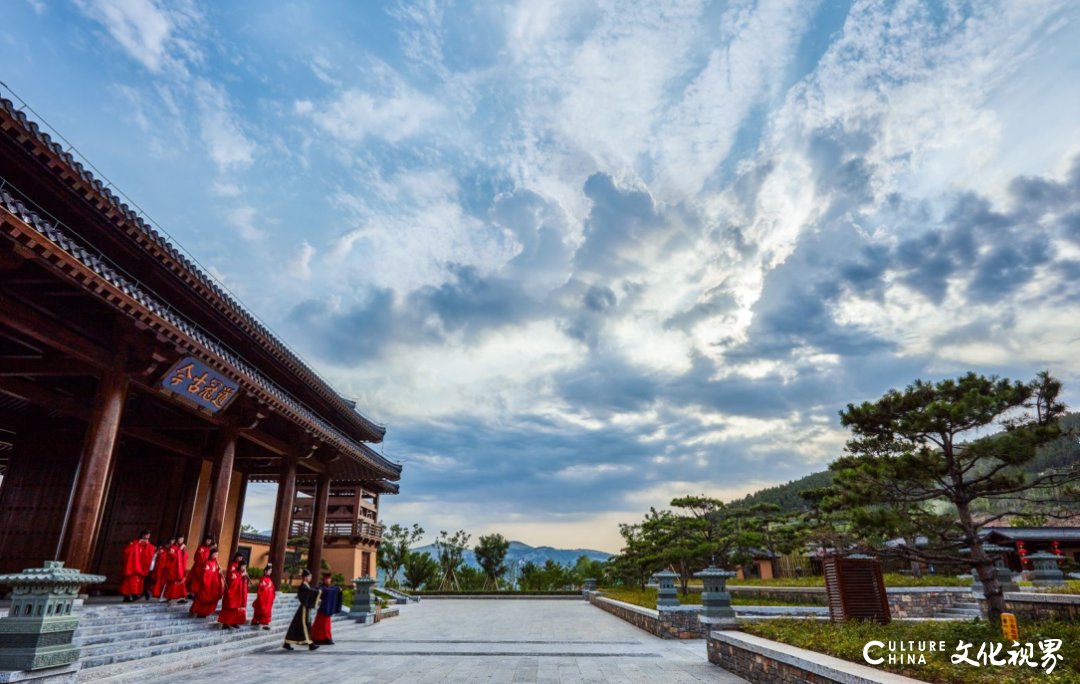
[[961, 610], [400, 597], [122, 642]]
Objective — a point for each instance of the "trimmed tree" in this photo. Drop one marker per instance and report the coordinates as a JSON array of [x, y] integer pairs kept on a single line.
[[490, 554], [451, 551], [397, 540], [962, 442]]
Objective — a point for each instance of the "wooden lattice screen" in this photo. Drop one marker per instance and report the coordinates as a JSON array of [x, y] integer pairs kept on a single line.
[[856, 590]]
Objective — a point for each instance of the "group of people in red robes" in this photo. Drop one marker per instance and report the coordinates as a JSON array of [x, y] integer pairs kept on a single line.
[[161, 572], [169, 568]]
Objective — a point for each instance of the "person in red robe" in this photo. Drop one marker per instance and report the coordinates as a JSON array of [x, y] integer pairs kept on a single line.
[[211, 587], [264, 599], [194, 578], [234, 603], [158, 570], [329, 605], [137, 557], [176, 565], [236, 560]]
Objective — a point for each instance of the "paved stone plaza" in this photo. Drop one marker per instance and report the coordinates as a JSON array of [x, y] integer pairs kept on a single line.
[[481, 641]]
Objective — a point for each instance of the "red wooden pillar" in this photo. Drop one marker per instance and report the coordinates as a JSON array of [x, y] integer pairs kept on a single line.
[[279, 537], [318, 524], [220, 476], [91, 480], [239, 520]]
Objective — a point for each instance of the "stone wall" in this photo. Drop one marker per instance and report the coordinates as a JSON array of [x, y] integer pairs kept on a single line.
[[814, 596], [904, 602], [761, 661], [1035, 606], [923, 602], [679, 622]]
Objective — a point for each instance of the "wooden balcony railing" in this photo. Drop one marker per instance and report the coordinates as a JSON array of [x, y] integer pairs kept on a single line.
[[340, 528]]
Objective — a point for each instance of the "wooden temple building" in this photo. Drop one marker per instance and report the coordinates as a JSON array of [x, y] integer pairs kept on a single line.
[[136, 393]]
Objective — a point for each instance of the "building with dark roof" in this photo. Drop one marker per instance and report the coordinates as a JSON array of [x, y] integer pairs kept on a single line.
[[137, 393]]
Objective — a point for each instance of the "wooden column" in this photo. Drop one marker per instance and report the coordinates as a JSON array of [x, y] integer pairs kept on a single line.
[[186, 513], [239, 521], [91, 480], [223, 455], [279, 537], [318, 524]]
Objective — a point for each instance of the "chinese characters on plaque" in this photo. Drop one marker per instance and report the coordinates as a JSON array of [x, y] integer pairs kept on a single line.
[[196, 382]]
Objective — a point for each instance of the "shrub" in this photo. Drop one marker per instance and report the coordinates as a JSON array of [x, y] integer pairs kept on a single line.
[[847, 640]]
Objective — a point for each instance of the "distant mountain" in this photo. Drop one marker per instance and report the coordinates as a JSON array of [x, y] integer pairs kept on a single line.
[[525, 553], [786, 496]]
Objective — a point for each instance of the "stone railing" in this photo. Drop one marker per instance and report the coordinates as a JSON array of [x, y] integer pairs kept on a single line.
[[761, 661], [1036, 606]]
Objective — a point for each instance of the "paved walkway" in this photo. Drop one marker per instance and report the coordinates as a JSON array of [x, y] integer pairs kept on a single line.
[[467, 641]]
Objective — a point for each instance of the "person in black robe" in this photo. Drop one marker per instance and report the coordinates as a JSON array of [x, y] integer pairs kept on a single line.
[[300, 628]]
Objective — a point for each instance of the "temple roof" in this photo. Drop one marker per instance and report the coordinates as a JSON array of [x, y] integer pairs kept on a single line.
[[133, 300], [145, 236]]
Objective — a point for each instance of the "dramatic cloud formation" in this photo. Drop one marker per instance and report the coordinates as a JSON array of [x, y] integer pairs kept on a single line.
[[583, 257]]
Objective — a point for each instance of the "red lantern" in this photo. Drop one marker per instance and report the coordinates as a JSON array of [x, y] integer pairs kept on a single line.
[[1056, 547]]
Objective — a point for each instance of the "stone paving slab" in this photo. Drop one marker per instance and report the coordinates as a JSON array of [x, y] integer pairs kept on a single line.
[[545, 642]]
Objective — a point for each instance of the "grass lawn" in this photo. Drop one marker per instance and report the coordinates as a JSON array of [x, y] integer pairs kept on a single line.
[[846, 641], [891, 580], [647, 599], [1070, 587]]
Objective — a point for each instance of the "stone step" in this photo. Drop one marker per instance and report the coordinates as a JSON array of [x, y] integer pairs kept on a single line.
[[207, 639], [177, 661], [212, 632], [150, 614], [105, 637], [960, 611]]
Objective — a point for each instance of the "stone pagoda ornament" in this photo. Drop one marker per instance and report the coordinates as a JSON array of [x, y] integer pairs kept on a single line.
[[666, 594], [364, 600], [715, 600], [1046, 572], [35, 636]]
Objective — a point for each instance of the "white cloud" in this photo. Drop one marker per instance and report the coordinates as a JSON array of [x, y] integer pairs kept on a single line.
[[146, 29], [356, 114], [221, 129], [243, 219], [298, 264]]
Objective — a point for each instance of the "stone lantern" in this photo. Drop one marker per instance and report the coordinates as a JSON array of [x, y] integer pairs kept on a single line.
[[36, 633], [590, 587], [1046, 572], [666, 594], [364, 600], [715, 600]]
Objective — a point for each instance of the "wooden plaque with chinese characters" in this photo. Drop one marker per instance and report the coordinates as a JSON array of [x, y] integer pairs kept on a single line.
[[193, 381]]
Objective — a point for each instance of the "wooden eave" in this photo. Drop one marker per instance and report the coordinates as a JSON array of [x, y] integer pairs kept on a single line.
[[54, 248], [83, 184]]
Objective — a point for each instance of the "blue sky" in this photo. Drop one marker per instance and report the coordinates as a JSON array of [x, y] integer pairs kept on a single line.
[[582, 257]]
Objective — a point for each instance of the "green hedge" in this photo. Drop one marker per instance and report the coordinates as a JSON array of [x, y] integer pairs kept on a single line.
[[496, 593], [847, 640]]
